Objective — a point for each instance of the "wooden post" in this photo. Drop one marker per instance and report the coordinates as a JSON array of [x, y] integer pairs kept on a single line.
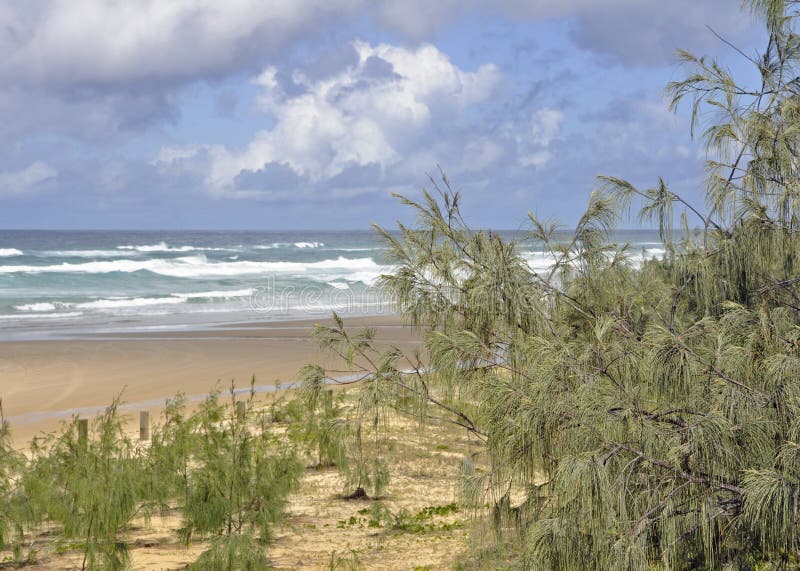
[[241, 409], [83, 430], [167, 415], [144, 425]]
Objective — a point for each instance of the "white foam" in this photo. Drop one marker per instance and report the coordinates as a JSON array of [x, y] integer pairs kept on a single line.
[[539, 261], [7, 252], [160, 247], [118, 303], [42, 315], [231, 294], [109, 303], [544, 261], [366, 277], [289, 245], [637, 260], [164, 247], [199, 266], [127, 302], [40, 306], [84, 253]]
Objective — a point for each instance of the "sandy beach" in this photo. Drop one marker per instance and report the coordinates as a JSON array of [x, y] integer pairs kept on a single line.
[[45, 382]]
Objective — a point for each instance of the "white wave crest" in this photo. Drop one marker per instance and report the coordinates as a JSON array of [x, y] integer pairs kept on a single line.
[[231, 294], [275, 245], [119, 303], [130, 302], [8, 252], [539, 261], [41, 315], [84, 253], [199, 266], [39, 306], [544, 261], [164, 247], [646, 254]]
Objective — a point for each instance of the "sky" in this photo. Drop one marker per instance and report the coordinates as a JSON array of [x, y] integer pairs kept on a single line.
[[310, 114]]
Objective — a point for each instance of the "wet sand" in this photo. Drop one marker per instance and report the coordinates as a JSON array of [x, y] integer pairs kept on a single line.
[[45, 382]]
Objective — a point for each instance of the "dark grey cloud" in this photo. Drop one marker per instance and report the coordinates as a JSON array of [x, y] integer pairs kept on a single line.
[[87, 115], [378, 68], [358, 176], [118, 66], [650, 32], [329, 60], [100, 68], [273, 177]]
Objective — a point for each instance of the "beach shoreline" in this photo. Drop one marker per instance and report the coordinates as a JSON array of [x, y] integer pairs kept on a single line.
[[44, 382]]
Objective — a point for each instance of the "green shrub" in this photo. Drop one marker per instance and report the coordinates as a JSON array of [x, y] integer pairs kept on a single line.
[[642, 415], [89, 488], [14, 510], [238, 484]]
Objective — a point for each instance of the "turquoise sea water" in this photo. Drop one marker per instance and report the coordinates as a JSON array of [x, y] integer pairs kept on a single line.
[[63, 283]]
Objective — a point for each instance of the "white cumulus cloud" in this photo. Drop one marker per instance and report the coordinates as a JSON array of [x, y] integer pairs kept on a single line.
[[373, 113]]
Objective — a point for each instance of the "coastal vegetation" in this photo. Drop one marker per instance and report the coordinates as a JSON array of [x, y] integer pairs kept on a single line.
[[629, 417], [613, 415], [211, 486]]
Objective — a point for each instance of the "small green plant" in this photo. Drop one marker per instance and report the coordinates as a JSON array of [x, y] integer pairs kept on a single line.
[[89, 486], [169, 456], [359, 438], [237, 487], [316, 426], [349, 562], [423, 521], [12, 506], [440, 511], [378, 515], [366, 472]]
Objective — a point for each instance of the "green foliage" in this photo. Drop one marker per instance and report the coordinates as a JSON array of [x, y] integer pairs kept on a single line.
[[222, 466], [169, 457], [620, 415], [355, 442], [13, 513], [315, 425], [237, 487], [233, 552], [349, 562], [426, 520], [642, 416], [89, 488]]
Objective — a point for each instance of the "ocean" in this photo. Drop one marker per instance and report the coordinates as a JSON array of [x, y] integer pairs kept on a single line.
[[56, 284]]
